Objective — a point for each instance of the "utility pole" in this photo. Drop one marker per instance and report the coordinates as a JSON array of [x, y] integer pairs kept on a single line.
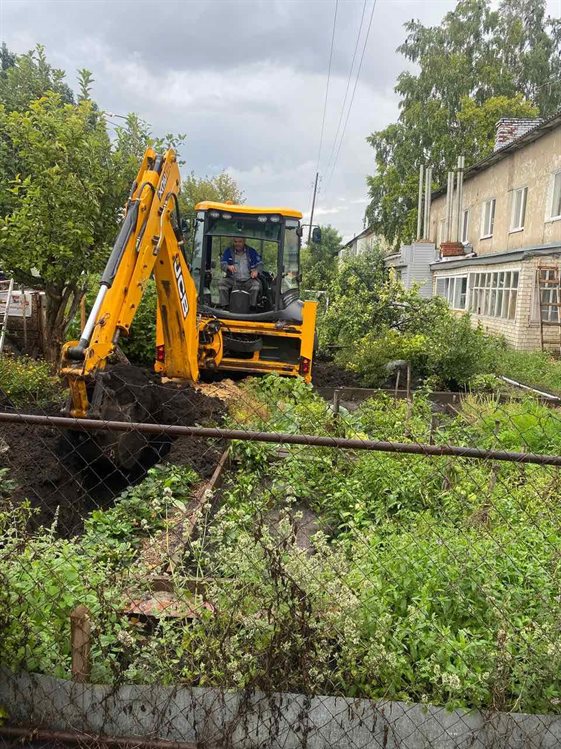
[[313, 208]]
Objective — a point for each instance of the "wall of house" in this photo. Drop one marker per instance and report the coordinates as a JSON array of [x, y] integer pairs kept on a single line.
[[416, 259], [524, 331], [533, 167]]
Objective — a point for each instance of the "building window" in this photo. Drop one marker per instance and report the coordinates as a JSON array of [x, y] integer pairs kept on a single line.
[[487, 218], [465, 225], [549, 295], [518, 211], [494, 294], [556, 197], [453, 289]]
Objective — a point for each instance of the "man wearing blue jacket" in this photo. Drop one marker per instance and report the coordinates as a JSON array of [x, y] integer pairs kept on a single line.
[[242, 265]]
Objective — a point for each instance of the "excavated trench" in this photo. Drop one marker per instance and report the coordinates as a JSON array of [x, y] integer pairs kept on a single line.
[[63, 474]]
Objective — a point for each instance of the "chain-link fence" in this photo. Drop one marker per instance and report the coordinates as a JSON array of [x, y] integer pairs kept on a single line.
[[255, 563]]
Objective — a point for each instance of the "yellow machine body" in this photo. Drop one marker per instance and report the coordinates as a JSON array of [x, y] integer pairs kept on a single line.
[[190, 337]]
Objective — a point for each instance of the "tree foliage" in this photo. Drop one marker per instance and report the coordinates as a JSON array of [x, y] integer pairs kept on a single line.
[[220, 188], [319, 260], [64, 182], [480, 64], [56, 227]]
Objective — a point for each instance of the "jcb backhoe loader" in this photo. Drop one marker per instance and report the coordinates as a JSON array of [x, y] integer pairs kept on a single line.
[[192, 334]]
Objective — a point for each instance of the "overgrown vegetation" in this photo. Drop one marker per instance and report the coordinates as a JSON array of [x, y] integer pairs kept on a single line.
[[25, 382], [372, 321], [421, 579], [535, 368]]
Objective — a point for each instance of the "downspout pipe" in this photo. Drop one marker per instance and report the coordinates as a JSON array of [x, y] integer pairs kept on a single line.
[[459, 197], [428, 188], [420, 203]]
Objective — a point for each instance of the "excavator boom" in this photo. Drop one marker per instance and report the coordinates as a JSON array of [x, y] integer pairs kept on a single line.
[[149, 243]]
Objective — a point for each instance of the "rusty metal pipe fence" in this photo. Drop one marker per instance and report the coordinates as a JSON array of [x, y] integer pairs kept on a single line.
[[246, 564]]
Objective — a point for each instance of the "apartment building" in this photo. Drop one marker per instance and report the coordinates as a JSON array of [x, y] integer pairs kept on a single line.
[[359, 244], [499, 236]]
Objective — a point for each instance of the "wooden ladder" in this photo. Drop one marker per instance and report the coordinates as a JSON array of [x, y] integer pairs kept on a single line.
[[6, 294], [549, 290]]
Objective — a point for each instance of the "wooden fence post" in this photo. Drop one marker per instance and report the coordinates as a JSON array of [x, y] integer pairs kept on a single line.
[[80, 633]]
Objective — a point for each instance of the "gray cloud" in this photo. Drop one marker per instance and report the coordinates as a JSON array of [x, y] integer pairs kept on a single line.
[[245, 79]]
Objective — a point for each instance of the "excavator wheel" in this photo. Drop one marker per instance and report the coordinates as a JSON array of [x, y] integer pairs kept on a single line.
[[123, 393]]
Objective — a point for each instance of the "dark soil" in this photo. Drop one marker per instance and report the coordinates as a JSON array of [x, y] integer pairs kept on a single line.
[[66, 475], [327, 374]]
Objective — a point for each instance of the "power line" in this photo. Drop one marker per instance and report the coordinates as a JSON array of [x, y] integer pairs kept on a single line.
[[332, 153], [327, 85], [353, 94]]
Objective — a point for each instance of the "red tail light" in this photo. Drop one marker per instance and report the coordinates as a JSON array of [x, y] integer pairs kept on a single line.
[[305, 365], [161, 353]]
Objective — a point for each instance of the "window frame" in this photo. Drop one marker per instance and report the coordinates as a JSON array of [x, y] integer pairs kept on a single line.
[[494, 293], [453, 289], [518, 224], [465, 225], [484, 234], [555, 186]]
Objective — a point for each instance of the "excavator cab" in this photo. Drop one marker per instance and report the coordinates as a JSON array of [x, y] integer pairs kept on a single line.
[[274, 234], [277, 332]]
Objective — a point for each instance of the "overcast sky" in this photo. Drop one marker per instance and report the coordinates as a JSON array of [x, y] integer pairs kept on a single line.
[[245, 79]]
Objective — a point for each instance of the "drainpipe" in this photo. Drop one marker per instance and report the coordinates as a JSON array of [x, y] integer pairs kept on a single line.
[[459, 197], [420, 203], [447, 222], [451, 222], [428, 186]]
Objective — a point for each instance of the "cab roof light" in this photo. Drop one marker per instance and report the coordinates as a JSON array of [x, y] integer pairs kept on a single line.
[[227, 216], [274, 219], [262, 219], [214, 214]]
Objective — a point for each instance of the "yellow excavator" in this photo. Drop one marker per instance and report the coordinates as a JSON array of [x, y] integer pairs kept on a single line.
[[195, 332]]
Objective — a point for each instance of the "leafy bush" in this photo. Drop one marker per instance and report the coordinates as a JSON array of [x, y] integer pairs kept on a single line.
[[140, 345], [456, 352], [28, 382]]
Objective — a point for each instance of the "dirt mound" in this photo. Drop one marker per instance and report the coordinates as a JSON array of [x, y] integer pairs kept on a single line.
[[63, 477], [327, 374]]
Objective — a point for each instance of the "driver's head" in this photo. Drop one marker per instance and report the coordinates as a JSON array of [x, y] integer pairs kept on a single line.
[[239, 244]]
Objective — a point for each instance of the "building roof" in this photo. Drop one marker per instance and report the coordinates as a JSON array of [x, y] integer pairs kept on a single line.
[[541, 129], [494, 258], [365, 233]]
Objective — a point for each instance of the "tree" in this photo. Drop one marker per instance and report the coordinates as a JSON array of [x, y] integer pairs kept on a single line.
[[63, 183], [24, 78], [319, 261], [58, 227], [220, 188], [478, 65]]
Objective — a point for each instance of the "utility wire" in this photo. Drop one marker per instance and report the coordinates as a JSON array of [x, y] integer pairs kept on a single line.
[[332, 153], [327, 85], [353, 94]]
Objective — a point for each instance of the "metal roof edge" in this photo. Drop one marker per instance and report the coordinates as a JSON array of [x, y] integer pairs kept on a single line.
[[510, 256]]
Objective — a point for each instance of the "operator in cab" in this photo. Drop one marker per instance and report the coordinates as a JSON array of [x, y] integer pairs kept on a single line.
[[242, 265]]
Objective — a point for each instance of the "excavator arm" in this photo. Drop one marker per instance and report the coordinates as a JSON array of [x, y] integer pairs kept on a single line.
[[150, 242]]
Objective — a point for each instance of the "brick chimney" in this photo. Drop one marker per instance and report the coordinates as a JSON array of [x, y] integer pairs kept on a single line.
[[511, 128], [452, 249]]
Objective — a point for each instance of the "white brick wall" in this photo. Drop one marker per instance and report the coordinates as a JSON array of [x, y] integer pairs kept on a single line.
[[524, 331]]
